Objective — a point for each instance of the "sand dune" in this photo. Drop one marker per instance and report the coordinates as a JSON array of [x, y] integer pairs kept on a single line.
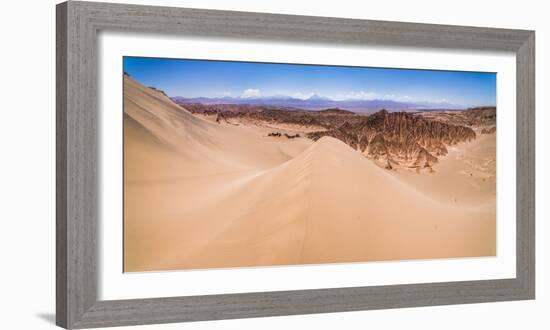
[[204, 195], [155, 125]]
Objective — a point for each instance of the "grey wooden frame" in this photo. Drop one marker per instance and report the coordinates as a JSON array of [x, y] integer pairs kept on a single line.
[[78, 24]]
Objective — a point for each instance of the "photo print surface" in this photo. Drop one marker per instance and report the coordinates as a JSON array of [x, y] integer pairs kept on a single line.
[[246, 164]]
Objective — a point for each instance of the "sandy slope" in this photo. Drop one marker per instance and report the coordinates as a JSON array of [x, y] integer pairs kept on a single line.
[[201, 195], [465, 177], [199, 146]]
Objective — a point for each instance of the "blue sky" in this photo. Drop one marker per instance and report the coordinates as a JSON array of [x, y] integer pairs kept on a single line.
[[200, 78]]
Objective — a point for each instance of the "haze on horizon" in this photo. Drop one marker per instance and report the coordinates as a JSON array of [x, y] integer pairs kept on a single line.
[[253, 80]]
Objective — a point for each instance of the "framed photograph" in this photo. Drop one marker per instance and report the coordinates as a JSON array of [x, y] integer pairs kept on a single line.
[[216, 165]]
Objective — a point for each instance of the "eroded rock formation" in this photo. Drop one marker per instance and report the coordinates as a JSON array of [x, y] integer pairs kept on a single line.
[[400, 138]]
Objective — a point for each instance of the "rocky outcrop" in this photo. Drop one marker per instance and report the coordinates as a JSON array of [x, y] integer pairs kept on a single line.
[[220, 117], [158, 90], [481, 116], [336, 111], [288, 136], [400, 138], [328, 119]]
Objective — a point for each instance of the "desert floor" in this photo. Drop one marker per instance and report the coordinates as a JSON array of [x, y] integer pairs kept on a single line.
[[199, 194]]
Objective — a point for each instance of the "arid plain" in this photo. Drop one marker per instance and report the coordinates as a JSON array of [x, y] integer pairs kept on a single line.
[[215, 187]]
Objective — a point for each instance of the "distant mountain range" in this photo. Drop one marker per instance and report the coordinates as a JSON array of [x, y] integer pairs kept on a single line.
[[316, 102]]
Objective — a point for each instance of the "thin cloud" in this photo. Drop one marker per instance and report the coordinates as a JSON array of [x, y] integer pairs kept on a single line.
[[368, 96], [251, 92], [302, 96]]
